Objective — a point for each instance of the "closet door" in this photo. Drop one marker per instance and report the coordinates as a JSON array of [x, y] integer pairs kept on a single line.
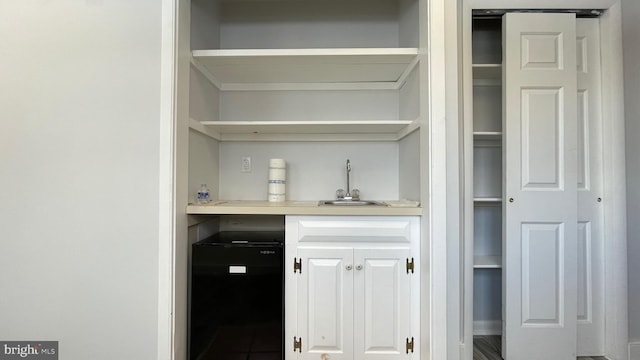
[[590, 215], [540, 213]]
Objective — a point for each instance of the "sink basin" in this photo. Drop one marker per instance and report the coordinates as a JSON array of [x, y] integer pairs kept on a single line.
[[350, 203]]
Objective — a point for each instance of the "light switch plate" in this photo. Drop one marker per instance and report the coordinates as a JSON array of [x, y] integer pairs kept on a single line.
[[246, 164]]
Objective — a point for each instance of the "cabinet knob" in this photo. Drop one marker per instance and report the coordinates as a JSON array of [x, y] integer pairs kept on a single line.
[[511, 200], [348, 267], [358, 267]]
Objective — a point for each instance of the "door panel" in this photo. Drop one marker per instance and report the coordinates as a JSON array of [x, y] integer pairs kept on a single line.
[[585, 276], [590, 215], [542, 280], [540, 214], [382, 307], [326, 297], [542, 145]]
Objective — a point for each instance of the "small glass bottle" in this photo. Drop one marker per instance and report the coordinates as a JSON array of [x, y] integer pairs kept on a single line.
[[203, 194]]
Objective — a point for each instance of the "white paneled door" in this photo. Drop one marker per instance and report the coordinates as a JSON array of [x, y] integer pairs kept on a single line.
[[354, 303], [325, 306], [540, 213], [382, 304], [590, 212]]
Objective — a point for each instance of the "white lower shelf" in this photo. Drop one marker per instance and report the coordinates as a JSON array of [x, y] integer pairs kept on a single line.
[[487, 262], [347, 130], [487, 135], [490, 73], [487, 327], [488, 200]]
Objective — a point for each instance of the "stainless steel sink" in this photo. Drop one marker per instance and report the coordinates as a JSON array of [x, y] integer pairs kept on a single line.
[[350, 203], [349, 198]]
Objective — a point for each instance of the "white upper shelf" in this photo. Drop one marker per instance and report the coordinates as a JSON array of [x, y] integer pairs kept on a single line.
[[297, 127], [347, 130], [256, 69]]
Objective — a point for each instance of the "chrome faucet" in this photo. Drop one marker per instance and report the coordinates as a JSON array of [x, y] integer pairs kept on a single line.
[[340, 194], [348, 194]]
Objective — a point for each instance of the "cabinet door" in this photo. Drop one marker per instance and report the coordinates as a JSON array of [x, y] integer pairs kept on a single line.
[[325, 303], [540, 215], [382, 304]]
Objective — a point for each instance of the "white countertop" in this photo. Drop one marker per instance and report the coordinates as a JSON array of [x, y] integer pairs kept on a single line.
[[301, 208]]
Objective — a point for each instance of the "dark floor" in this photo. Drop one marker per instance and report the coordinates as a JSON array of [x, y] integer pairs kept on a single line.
[[245, 343], [489, 348]]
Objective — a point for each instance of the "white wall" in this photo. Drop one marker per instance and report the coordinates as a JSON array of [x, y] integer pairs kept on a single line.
[[314, 170], [631, 34], [204, 160], [79, 155], [326, 24], [409, 167]]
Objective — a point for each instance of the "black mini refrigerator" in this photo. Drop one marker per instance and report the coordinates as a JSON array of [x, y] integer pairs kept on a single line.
[[237, 303]]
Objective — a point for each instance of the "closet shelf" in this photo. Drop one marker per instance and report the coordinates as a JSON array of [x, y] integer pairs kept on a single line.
[[487, 262], [313, 69], [487, 135], [487, 200], [345, 130], [487, 72]]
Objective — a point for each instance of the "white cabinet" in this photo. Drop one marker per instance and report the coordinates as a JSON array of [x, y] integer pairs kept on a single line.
[[486, 187], [344, 292], [536, 213], [352, 288]]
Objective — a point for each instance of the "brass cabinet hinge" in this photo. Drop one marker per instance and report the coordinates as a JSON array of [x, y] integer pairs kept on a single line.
[[297, 265], [297, 344], [410, 265], [409, 345]]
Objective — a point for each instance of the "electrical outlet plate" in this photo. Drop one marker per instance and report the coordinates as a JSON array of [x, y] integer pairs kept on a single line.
[[246, 164]]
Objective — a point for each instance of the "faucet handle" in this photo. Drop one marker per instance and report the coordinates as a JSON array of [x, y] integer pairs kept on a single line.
[[339, 194], [355, 194]]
